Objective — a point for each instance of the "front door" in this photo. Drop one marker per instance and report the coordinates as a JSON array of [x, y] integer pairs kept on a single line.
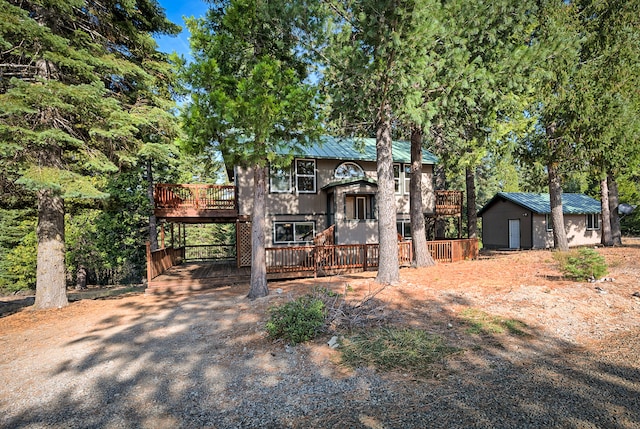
[[514, 233]]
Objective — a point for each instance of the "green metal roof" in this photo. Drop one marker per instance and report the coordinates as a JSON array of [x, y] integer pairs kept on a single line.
[[539, 203], [359, 149]]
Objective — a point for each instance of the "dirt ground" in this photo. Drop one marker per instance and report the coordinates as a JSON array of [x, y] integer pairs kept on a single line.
[[525, 286], [520, 285]]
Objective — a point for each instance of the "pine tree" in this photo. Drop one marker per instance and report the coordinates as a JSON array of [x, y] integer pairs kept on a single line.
[[81, 82], [249, 96], [376, 53]]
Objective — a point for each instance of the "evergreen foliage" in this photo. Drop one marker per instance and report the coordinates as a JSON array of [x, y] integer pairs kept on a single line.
[[582, 264], [297, 321], [250, 95], [83, 87]]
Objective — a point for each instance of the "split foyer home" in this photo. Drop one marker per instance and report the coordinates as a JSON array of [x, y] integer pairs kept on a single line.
[[333, 182], [321, 212], [513, 220]]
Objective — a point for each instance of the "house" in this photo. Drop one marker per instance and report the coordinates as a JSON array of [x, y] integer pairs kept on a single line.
[[523, 221], [333, 182], [321, 215]]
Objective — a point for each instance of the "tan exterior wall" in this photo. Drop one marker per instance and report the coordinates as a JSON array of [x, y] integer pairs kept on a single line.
[[533, 229], [292, 206], [577, 233]]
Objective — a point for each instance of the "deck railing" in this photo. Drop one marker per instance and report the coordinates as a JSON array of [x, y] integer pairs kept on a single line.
[[313, 259], [203, 252], [448, 203], [197, 196], [159, 261], [453, 250]]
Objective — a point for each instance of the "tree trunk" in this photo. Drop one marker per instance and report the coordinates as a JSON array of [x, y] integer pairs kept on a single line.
[[153, 224], [616, 232], [388, 269], [421, 253], [472, 211], [259, 286], [81, 278], [51, 290], [560, 241], [605, 224]]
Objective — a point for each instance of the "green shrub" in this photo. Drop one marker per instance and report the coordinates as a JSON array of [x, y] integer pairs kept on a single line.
[[582, 264], [297, 321], [396, 349]]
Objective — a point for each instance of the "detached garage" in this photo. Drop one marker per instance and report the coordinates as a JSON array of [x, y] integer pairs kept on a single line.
[[515, 220]]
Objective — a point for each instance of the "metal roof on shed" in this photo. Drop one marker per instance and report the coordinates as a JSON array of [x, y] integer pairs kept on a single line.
[[539, 203], [359, 149]]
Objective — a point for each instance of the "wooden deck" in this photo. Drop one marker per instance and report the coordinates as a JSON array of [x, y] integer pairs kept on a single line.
[[287, 262], [196, 203], [195, 276]]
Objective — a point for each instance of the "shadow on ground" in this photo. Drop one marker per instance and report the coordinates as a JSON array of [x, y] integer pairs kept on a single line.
[[203, 361]]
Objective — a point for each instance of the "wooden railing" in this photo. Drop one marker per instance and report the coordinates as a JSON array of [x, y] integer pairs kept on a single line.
[[159, 261], [205, 252], [197, 196], [313, 259], [326, 237], [448, 203], [453, 250]]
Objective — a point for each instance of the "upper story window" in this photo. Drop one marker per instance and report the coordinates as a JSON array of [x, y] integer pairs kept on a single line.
[[401, 178], [280, 179], [593, 221], [348, 170], [407, 177], [305, 175]]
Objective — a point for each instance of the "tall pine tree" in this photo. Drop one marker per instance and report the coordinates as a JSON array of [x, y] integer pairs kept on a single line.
[[250, 98], [81, 82]]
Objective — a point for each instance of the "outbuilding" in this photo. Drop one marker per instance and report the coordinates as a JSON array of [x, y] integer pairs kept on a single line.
[[517, 220]]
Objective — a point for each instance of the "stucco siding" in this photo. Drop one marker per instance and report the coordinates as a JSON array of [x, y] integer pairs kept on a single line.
[[295, 206], [574, 225]]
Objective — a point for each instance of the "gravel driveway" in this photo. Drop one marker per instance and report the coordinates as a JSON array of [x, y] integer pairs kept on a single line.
[[203, 361]]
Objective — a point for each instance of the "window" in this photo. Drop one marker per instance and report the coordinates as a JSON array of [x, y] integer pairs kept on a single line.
[[359, 207], [280, 179], [401, 178], [593, 221], [547, 221], [348, 170], [404, 228], [306, 175], [293, 232], [407, 177], [396, 178]]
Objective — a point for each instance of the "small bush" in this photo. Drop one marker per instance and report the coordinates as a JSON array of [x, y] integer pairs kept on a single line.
[[297, 321], [582, 264], [393, 349]]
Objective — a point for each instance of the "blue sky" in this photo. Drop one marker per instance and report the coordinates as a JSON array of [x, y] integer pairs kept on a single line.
[[175, 10]]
